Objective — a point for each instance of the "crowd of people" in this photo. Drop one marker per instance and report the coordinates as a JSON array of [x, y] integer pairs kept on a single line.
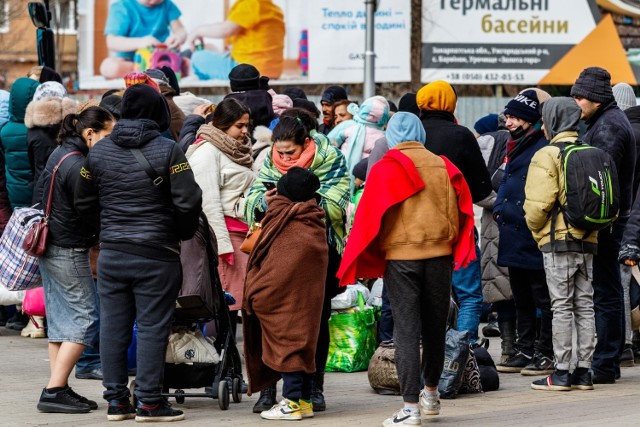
[[348, 190]]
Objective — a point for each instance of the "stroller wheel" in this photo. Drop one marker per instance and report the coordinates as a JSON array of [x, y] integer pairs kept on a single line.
[[132, 398], [179, 396], [223, 395], [236, 390]]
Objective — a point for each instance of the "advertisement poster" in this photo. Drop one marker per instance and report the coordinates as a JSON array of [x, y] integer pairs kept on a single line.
[[502, 41], [291, 41]]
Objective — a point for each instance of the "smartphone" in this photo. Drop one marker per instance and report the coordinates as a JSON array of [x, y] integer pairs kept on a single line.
[[269, 185]]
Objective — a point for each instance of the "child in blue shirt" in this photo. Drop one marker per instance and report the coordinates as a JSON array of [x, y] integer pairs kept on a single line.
[[136, 24]]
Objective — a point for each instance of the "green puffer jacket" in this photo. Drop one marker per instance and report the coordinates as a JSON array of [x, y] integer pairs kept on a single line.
[[13, 137]]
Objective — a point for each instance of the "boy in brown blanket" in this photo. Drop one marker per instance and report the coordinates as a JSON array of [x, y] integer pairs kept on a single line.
[[282, 303]]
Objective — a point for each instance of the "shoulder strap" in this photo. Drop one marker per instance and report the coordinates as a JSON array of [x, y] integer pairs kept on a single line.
[[157, 179], [47, 209]]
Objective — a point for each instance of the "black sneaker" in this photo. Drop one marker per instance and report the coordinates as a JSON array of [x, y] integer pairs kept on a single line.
[[540, 365], [92, 403], [557, 381], [61, 402], [599, 378], [627, 357], [491, 329], [120, 410], [266, 400], [158, 412], [581, 379], [515, 363], [17, 322]]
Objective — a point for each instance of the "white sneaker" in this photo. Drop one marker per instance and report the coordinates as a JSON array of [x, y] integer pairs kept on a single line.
[[285, 410], [403, 417], [430, 403], [33, 331]]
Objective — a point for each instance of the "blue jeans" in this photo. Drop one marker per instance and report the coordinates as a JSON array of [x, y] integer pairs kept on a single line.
[[608, 301], [467, 288], [133, 287]]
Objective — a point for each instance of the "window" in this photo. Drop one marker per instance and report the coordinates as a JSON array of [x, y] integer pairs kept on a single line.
[[63, 16]]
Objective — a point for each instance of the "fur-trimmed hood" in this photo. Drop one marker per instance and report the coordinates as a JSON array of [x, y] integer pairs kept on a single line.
[[49, 111]]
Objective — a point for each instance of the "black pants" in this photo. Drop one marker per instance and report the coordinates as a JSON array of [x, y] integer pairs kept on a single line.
[[419, 293], [530, 292], [330, 291], [608, 301], [296, 385], [133, 287]]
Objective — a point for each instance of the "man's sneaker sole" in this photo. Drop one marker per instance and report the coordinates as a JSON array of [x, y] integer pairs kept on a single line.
[[165, 419], [581, 387], [120, 417], [58, 408], [430, 411], [288, 417], [534, 373], [550, 387], [509, 369]]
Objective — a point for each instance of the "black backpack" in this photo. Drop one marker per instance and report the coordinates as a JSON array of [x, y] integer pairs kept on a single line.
[[591, 185]]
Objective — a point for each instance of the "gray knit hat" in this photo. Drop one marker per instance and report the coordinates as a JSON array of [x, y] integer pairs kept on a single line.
[[594, 84], [624, 95]]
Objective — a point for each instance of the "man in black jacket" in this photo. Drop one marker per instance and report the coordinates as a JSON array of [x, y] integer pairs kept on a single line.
[[609, 129], [437, 102], [142, 221]]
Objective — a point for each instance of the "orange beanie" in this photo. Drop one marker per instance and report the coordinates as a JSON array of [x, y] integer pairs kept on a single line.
[[437, 96]]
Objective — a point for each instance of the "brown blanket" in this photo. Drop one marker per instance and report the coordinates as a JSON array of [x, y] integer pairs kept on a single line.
[[284, 292]]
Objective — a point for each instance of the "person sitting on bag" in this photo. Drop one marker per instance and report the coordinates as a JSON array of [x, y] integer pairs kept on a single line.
[[282, 308], [414, 221], [142, 221], [69, 290]]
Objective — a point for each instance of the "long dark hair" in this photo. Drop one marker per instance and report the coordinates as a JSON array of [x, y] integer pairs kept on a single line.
[[307, 119], [96, 118], [295, 124], [227, 113]]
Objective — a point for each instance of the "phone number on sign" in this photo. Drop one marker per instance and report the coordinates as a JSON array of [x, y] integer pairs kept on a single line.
[[486, 77]]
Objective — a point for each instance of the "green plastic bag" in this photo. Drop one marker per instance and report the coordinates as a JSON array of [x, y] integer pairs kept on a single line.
[[353, 339]]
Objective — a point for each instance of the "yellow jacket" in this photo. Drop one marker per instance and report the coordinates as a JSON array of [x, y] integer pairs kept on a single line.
[[543, 189]]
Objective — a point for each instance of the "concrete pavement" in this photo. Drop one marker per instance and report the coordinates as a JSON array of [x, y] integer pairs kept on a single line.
[[24, 370]]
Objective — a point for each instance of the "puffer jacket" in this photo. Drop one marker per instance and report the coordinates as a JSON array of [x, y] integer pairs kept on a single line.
[[66, 228], [43, 119], [134, 214], [224, 184], [14, 144], [517, 247], [495, 279], [609, 129], [544, 188], [188, 133]]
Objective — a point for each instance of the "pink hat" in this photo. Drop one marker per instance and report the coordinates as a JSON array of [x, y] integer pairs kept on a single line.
[[280, 103]]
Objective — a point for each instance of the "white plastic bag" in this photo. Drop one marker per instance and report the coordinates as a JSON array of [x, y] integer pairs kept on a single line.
[[375, 297], [190, 347], [8, 297]]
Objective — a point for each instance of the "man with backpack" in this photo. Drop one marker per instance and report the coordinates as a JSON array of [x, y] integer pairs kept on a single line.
[[567, 251], [608, 129]]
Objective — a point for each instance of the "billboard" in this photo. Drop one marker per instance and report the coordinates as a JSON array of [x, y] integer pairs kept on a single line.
[[501, 41], [294, 41]]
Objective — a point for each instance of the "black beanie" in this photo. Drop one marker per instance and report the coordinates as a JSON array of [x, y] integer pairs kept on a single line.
[[408, 104], [524, 106], [142, 101], [244, 77], [298, 185], [264, 83], [393, 108], [173, 79], [49, 75], [294, 92], [333, 94], [113, 104], [360, 169], [594, 84], [307, 105]]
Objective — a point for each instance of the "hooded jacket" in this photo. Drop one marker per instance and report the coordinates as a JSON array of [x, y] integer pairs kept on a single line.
[[13, 136], [457, 143], [43, 119], [610, 130], [135, 215], [633, 114]]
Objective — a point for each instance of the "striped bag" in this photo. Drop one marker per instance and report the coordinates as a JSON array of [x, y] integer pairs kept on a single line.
[[18, 270]]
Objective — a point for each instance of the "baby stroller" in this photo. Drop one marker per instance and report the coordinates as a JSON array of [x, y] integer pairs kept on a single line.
[[202, 300]]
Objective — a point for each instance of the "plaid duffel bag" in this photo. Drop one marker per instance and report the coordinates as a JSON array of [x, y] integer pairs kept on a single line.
[[18, 270]]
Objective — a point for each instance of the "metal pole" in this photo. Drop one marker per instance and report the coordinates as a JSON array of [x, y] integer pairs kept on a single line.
[[369, 54]]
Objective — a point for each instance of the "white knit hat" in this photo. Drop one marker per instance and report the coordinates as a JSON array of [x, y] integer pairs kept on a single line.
[[49, 89], [624, 95]]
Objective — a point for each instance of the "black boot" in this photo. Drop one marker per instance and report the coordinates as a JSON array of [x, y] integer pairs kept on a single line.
[[317, 396], [508, 335], [266, 400]]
